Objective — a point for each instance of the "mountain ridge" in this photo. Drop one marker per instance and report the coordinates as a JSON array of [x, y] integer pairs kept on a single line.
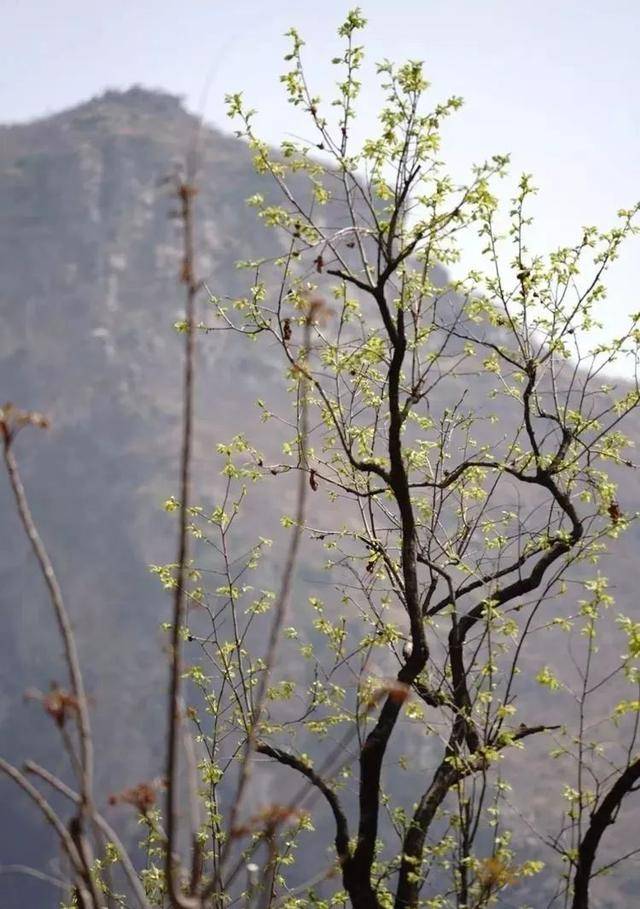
[[89, 291]]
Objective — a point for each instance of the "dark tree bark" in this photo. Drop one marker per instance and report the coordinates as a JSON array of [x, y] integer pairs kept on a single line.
[[602, 817]]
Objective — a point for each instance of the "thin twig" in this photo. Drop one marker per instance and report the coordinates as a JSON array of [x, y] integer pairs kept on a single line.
[[62, 617], [101, 823], [186, 194]]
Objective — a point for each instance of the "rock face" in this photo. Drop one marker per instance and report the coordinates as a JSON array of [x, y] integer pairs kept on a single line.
[[89, 258]]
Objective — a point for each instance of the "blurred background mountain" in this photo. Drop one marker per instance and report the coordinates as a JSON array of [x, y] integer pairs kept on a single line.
[[89, 258]]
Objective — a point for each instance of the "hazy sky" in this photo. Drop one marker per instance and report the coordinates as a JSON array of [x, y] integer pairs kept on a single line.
[[554, 82]]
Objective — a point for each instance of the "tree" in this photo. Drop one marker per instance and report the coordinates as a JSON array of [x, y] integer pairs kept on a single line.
[[461, 527]]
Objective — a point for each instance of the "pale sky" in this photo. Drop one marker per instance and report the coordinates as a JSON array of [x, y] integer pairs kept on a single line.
[[554, 82]]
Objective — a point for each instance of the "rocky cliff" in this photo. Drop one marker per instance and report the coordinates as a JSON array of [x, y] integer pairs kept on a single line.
[[89, 258]]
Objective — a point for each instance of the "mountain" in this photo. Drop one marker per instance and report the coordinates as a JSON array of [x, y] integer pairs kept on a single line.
[[89, 258]]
